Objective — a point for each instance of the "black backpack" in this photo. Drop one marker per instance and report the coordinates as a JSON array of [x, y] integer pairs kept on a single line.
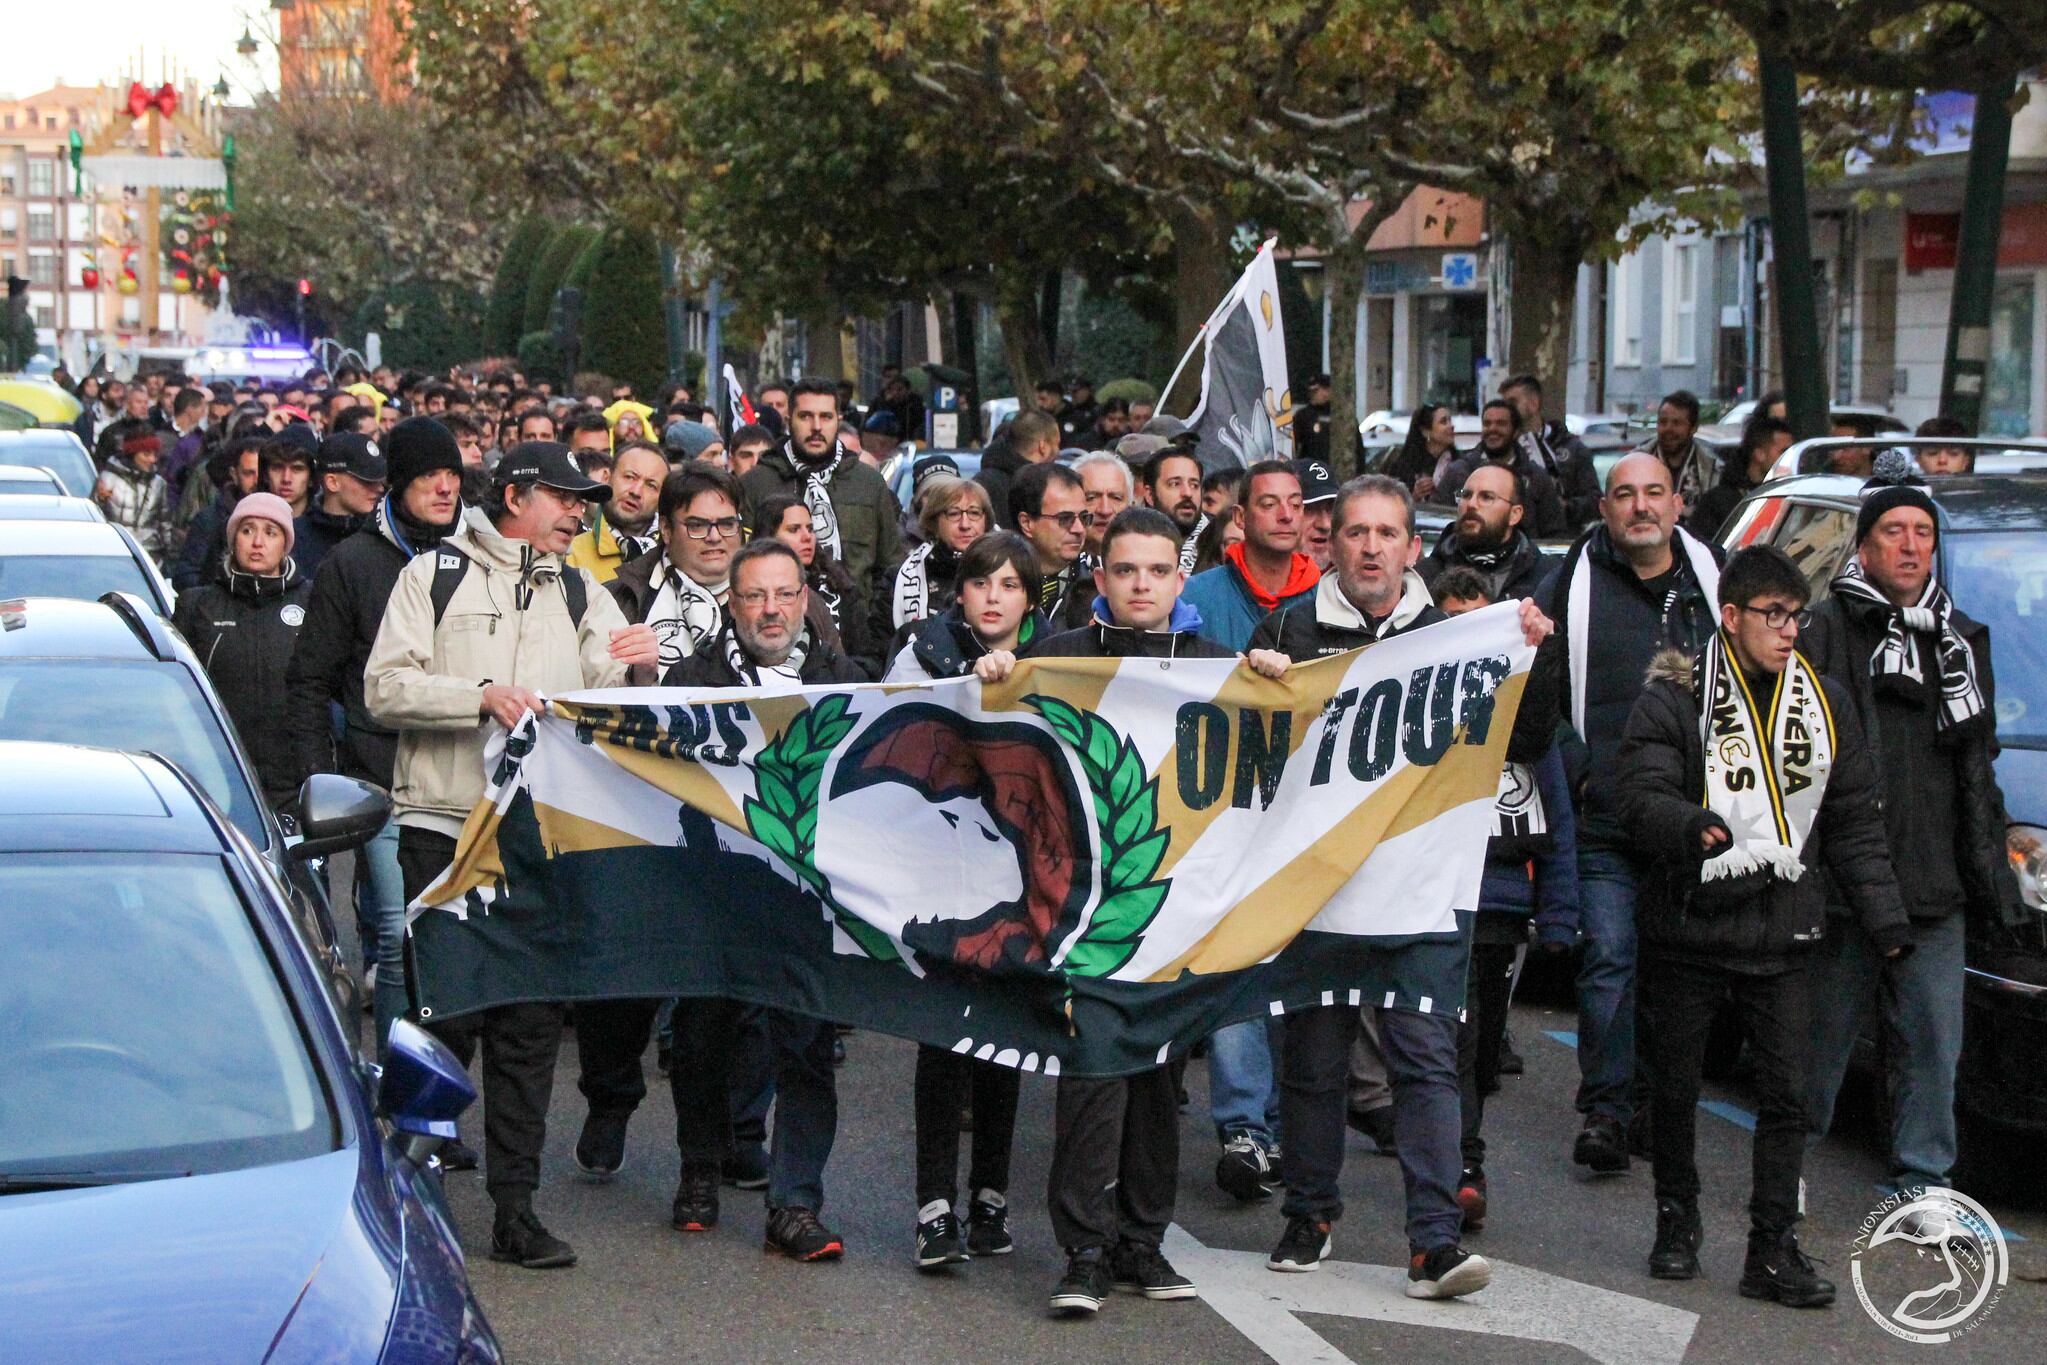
[[452, 566]]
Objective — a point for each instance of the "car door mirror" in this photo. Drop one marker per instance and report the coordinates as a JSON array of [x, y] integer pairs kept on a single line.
[[337, 813], [424, 1089]]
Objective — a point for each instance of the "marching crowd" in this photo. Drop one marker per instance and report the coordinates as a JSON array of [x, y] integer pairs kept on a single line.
[[1719, 796]]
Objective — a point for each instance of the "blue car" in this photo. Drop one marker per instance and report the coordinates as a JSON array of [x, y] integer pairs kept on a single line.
[[195, 1162]]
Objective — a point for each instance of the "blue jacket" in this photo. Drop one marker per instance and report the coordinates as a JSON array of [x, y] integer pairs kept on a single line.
[[1229, 613]]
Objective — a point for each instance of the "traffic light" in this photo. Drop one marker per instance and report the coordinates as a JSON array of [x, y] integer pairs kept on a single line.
[[305, 289]]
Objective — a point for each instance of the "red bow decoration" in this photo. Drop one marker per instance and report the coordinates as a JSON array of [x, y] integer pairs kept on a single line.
[[141, 101]]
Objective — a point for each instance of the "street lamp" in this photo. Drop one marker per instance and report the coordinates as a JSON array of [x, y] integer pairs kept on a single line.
[[247, 44], [221, 90]]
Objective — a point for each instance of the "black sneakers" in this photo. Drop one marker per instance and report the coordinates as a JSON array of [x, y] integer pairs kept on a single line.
[[1448, 1272], [1471, 1200], [1602, 1145], [988, 1225], [1376, 1124], [1678, 1234], [457, 1155], [1777, 1269], [1137, 1268], [1245, 1169], [696, 1198], [1084, 1285], [1301, 1247], [600, 1151], [518, 1238], [939, 1239], [796, 1233]]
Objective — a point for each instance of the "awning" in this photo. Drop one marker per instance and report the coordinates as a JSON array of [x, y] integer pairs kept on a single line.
[[157, 172]]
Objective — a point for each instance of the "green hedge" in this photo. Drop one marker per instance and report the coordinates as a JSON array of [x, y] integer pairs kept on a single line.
[[505, 316], [548, 272], [540, 358], [623, 331]]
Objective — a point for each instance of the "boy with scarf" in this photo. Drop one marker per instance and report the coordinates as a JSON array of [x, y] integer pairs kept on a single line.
[[1742, 773]]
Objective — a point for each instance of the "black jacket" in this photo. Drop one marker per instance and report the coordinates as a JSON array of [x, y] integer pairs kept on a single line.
[[632, 587], [1988, 885], [1722, 498], [1524, 569], [711, 668], [347, 605], [1545, 507], [315, 534], [1097, 641], [205, 542], [1756, 919], [1567, 461], [871, 544], [243, 629], [999, 465]]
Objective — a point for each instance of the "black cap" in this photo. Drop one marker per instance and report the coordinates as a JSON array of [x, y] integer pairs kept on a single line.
[[302, 436], [416, 446], [1317, 483], [351, 452], [1895, 483], [549, 463], [931, 465]]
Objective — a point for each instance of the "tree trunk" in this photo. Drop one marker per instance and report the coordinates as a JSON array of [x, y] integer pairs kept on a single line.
[[961, 307], [1202, 273], [1344, 282], [1544, 300], [1023, 337]]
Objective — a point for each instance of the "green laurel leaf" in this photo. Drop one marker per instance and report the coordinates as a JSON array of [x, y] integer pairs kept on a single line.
[[1122, 917], [1139, 861], [1090, 958]]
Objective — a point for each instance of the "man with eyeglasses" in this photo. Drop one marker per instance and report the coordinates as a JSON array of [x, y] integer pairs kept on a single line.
[[484, 628], [1499, 443], [1488, 537], [680, 587], [1048, 503], [1742, 772]]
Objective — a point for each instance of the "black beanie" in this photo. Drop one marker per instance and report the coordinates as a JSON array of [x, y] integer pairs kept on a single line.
[[1895, 483], [416, 446]]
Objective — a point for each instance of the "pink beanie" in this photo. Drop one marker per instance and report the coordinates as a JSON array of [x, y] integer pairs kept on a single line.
[[267, 506]]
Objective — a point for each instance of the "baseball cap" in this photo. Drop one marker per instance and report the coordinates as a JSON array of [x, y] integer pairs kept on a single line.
[[351, 452], [1317, 483], [1139, 446], [929, 466], [549, 463]]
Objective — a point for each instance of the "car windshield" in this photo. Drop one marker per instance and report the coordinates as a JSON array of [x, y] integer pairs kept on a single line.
[[84, 577], [156, 707], [26, 485], [2000, 578], [55, 452], [181, 1055]]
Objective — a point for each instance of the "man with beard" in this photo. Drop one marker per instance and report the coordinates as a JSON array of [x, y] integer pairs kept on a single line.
[[1693, 466], [852, 512], [353, 585], [1499, 443], [1555, 451], [1487, 537], [623, 528], [352, 474], [765, 643], [1633, 585], [1048, 503], [1172, 484], [1746, 469]]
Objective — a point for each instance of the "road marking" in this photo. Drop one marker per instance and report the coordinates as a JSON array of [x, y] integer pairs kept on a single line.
[[1621, 1329]]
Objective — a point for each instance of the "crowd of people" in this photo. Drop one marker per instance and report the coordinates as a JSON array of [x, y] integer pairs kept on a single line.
[[375, 568]]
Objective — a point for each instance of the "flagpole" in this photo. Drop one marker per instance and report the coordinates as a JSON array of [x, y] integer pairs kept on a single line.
[[1193, 346]]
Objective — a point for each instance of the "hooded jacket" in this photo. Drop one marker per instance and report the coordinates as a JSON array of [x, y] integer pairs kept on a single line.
[[1520, 570], [243, 627], [1182, 639], [343, 613], [316, 533], [869, 545], [140, 502], [1230, 604], [1759, 920], [598, 550], [508, 622]]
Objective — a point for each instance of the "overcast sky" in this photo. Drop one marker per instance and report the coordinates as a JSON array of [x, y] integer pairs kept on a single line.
[[99, 41]]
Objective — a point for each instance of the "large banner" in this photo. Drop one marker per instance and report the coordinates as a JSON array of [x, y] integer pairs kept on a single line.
[[1085, 869]]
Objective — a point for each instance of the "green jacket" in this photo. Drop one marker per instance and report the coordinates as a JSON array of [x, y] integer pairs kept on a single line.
[[870, 519]]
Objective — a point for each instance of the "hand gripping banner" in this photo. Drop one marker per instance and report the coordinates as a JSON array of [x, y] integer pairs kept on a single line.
[[1083, 870]]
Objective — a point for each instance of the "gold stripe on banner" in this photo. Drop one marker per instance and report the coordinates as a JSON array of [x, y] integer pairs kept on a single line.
[[477, 862], [564, 831], [1080, 682], [1271, 916]]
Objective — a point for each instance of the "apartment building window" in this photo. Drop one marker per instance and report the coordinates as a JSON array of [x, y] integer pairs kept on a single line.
[[45, 315], [10, 224], [1626, 304], [42, 224], [1680, 303], [42, 267], [42, 177]]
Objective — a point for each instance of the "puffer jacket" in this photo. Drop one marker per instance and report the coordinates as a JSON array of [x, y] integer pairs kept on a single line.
[[508, 622], [869, 544], [243, 626], [141, 502], [1756, 919]]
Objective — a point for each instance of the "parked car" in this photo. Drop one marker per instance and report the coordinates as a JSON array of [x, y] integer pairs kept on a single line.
[[897, 468], [114, 672], [56, 449], [196, 1162], [48, 507], [1993, 559], [85, 560], [1725, 434], [16, 479], [1993, 455]]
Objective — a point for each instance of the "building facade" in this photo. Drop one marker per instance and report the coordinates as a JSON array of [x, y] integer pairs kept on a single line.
[[46, 230]]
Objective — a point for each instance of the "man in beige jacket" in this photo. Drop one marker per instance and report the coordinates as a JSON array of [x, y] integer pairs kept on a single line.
[[483, 629]]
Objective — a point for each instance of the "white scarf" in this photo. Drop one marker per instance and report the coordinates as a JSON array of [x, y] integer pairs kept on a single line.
[[1767, 759], [1961, 696], [1518, 810], [685, 614], [788, 673], [1578, 606], [817, 496], [913, 587]]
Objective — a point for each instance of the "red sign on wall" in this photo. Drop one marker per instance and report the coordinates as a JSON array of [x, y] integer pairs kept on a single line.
[[1930, 241]]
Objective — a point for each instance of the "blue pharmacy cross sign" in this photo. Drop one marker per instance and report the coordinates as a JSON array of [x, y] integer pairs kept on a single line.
[[1460, 270]]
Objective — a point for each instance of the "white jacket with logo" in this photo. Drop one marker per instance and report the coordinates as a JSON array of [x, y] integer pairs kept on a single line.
[[508, 622]]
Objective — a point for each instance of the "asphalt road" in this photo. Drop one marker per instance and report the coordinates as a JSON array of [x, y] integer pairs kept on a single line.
[[1568, 1251]]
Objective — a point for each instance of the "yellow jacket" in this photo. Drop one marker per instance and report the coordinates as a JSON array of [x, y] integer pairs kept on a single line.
[[597, 550]]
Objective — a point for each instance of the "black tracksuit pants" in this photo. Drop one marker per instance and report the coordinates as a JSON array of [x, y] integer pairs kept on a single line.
[[1115, 1159], [945, 1080], [1479, 1039], [611, 1045]]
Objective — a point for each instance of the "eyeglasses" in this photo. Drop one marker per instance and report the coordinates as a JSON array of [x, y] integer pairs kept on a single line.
[[756, 598], [1776, 618], [697, 528], [1068, 521], [1484, 497], [963, 514]]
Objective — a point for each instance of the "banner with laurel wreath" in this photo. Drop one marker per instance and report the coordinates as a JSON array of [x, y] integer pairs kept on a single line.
[[1082, 870]]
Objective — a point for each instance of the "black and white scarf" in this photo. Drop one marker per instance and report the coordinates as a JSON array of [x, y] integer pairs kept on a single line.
[[787, 673], [1766, 760], [817, 495], [1187, 546], [685, 614], [1518, 811], [1688, 552], [924, 584], [1899, 656]]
